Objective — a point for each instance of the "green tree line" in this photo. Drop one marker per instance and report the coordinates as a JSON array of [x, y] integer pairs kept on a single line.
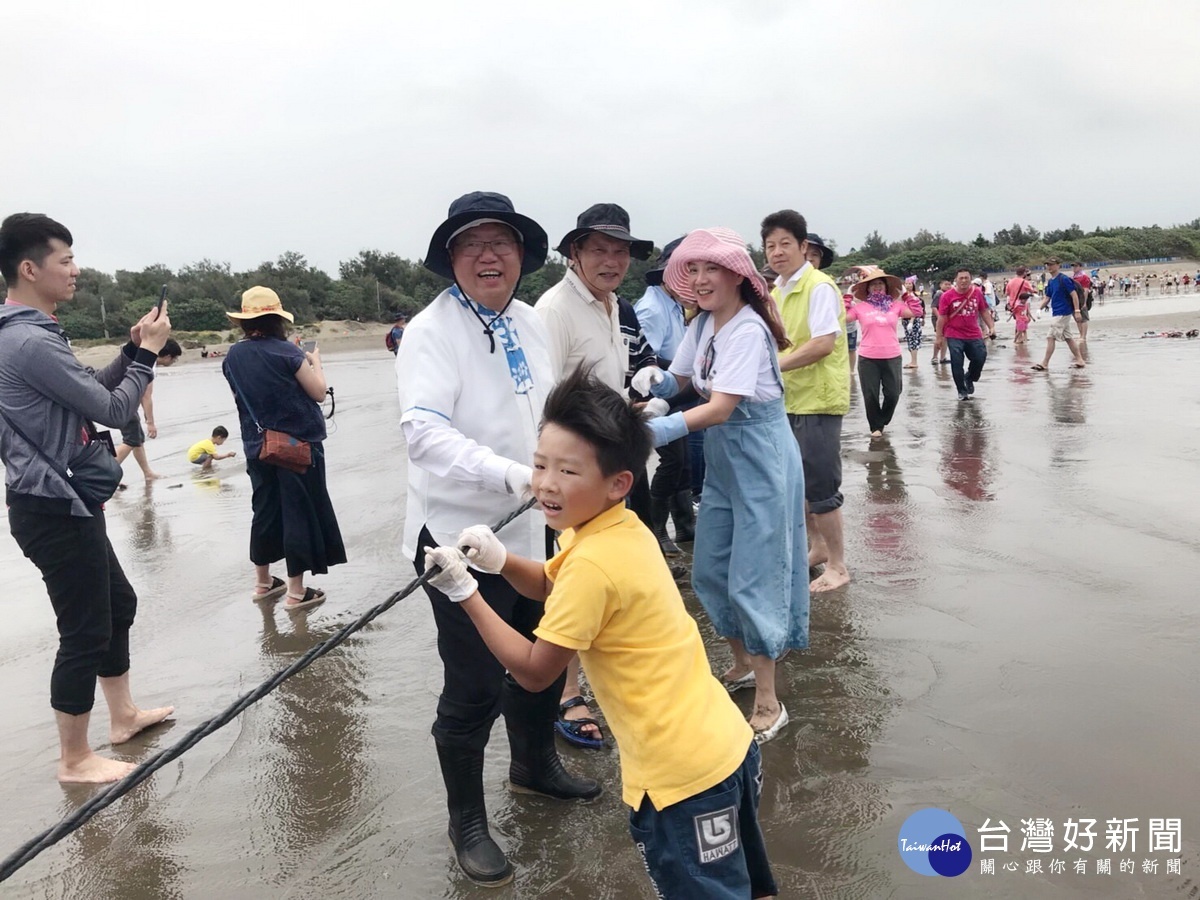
[[930, 255], [375, 285]]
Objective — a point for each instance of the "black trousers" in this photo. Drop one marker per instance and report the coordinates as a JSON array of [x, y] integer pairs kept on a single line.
[[673, 473], [876, 377], [474, 678], [92, 599]]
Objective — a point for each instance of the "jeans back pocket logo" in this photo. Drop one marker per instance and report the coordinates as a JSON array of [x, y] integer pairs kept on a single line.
[[717, 834]]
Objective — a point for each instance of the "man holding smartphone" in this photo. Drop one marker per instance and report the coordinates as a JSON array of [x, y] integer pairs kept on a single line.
[[52, 398]]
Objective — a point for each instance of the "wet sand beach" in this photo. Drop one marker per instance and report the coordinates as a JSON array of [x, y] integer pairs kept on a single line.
[[1019, 641]]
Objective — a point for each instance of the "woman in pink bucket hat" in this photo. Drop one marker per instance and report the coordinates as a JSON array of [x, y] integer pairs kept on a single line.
[[751, 551]]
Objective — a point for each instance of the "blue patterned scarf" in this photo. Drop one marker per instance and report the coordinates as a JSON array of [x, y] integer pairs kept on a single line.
[[503, 328]]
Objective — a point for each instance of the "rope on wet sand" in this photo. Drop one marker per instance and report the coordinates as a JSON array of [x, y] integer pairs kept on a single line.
[[115, 791]]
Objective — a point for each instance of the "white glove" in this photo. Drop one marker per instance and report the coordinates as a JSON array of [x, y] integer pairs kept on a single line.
[[646, 378], [483, 549], [655, 407], [519, 480], [454, 580]]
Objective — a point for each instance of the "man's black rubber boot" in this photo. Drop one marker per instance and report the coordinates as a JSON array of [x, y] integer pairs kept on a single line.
[[535, 766], [480, 857], [660, 510], [684, 515]]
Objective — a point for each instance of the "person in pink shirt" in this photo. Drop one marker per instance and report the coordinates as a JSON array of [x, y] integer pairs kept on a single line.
[[1020, 293], [875, 304], [959, 312]]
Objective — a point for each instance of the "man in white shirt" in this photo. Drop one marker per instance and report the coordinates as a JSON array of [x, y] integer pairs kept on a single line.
[[581, 317], [473, 373]]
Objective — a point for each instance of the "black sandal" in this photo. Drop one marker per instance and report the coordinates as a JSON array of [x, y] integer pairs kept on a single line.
[[312, 596], [571, 730]]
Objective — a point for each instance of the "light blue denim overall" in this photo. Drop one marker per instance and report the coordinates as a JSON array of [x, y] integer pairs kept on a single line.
[[750, 567]]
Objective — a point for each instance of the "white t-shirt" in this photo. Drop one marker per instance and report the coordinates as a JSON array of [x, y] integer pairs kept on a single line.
[[737, 360], [582, 332], [822, 305]]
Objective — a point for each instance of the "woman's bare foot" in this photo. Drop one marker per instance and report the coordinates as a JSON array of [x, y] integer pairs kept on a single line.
[[830, 580], [764, 716], [93, 769], [124, 728]]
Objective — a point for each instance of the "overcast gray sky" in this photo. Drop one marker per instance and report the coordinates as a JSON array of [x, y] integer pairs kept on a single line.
[[162, 132]]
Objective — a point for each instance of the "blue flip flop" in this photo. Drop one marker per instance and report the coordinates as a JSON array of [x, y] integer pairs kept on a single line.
[[571, 730]]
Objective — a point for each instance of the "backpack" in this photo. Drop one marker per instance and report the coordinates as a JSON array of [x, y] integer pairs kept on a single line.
[[389, 341]]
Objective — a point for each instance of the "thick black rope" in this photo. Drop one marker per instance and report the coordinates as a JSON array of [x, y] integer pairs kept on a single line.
[[118, 789]]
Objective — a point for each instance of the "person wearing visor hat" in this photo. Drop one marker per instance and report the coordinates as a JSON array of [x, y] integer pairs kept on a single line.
[[473, 373], [582, 317]]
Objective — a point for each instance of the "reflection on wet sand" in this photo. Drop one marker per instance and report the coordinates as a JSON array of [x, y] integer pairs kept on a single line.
[[150, 532], [313, 765], [966, 467], [132, 852], [816, 803]]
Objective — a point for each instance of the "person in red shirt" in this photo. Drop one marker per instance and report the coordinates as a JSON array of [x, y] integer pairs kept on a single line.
[[1085, 295], [959, 312]]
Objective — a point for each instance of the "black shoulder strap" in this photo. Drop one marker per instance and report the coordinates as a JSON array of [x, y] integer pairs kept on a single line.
[[240, 393], [64, 474]]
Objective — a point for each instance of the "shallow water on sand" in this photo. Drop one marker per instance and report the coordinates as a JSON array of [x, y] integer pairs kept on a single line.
[[1019, 641]]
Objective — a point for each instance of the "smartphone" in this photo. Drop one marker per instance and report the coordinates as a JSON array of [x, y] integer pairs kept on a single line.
[[308, 346], [162, 296]]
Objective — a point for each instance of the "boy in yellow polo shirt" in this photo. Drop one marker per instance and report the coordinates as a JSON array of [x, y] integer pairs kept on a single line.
[[690, 769], [202, 453]]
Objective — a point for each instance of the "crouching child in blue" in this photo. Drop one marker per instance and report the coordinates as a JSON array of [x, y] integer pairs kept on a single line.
[[690, 770]]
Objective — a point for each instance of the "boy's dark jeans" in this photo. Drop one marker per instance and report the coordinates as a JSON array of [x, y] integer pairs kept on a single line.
[[709, 845], [92, 599]]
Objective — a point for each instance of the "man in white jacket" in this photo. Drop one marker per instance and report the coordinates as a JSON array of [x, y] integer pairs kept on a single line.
[[473, 373]]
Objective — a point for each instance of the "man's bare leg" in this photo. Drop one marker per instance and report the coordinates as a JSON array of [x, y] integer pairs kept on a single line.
[[123, 451], [818, 553], [828, 530], [125, 718], [139, 454], [1073, 346], [1049, 352], [572, 689], [77, 763]]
